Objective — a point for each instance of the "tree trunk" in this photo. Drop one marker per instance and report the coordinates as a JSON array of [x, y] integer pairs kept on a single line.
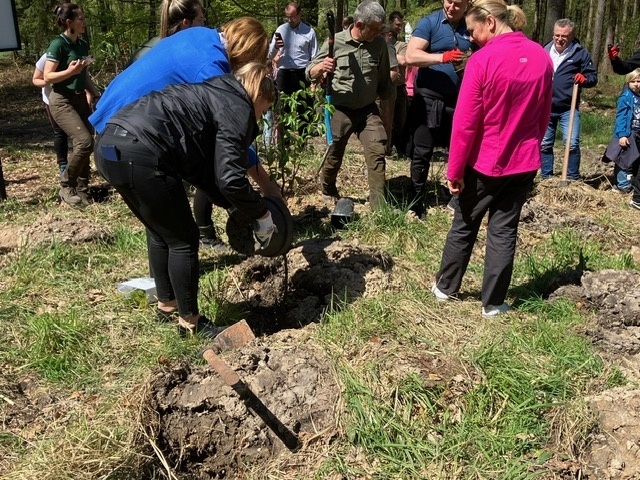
[[555, 11], [538, 21], [588, 38], [340, 14], [597, 31], [605, 67]]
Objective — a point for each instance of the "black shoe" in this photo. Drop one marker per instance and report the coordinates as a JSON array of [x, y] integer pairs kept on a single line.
[[204, 328], [209, 239]]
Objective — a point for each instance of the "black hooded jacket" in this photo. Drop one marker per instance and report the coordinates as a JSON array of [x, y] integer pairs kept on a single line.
[[201, 133], [622, 67]]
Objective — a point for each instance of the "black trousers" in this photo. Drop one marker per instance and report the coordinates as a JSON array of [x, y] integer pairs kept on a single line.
[[288, 80], [503, 198], [158, 199], [425, 138]]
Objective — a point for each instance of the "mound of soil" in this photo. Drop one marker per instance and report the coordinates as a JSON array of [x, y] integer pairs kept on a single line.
[[293, 291], [50, 228], [207, 431], [615, 298]]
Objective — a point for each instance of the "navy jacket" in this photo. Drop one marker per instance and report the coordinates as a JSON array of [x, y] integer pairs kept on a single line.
[[578, 60]]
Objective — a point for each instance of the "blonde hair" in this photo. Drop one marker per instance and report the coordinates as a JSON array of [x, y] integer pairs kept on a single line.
[[173, 12], [631, 76], [247, 41], [512, 15], [254, 79]]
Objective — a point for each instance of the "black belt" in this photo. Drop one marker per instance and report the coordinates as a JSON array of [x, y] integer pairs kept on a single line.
[[66, 91], [293, 69]]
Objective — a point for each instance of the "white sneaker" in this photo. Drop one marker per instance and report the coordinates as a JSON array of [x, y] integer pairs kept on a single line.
[[441, 297], [495, 310]]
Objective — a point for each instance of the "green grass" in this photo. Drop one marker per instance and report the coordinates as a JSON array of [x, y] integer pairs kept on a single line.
[[490, 428]]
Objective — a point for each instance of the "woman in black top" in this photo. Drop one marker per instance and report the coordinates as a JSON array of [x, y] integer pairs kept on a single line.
[[200, 133]]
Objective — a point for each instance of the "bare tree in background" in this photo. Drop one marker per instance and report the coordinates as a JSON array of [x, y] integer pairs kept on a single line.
[[555, 11], [597, 31]]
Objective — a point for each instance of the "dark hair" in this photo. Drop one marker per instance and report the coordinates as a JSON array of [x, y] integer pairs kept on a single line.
[[173, 12], [395, 14], [64, 12]]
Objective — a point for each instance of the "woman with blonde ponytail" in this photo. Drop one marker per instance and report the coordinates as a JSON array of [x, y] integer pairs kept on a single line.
[[199, 133], [502, 114]]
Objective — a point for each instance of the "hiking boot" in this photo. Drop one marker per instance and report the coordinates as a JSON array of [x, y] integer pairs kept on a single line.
[[82, 190], [69, 195], [329, 189], [634, 204], [495, 310]]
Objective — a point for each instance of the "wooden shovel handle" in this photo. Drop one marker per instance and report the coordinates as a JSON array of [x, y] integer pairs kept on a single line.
[[229, 376], [569, 133]]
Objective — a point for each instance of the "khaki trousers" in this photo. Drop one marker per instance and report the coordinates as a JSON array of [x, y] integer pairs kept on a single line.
[[367, 125]]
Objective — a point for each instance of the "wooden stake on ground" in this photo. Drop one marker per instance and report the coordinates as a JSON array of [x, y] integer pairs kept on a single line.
[[565, 160]]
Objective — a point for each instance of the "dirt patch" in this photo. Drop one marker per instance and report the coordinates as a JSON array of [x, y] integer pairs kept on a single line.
[[295, 290], [50, 228], [207, 431], [614, 297]]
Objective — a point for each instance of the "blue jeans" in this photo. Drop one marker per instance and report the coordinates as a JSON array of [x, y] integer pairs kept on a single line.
[[623, 177], [573, 170]]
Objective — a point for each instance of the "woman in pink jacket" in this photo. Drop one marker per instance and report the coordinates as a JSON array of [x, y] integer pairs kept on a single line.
[[501, 116]]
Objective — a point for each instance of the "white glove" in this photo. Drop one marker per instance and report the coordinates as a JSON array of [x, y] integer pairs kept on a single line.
[[263, 230]]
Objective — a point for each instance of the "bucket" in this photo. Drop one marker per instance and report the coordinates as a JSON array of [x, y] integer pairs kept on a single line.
[[240, 230], [342, 213]]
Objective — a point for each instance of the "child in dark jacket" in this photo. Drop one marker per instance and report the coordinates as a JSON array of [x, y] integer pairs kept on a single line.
[[626, 131]]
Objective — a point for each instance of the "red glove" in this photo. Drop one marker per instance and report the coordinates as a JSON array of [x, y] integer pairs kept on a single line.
[[452, 56], [580, 79], [613, 51]]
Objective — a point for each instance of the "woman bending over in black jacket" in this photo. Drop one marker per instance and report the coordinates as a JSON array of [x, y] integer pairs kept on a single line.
[[200, 133]]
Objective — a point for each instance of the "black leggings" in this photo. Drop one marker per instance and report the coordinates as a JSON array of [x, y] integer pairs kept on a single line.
[[159, 200], [60, 140]]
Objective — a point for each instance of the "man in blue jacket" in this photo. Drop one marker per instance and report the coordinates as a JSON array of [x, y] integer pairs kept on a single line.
[[571, 64]]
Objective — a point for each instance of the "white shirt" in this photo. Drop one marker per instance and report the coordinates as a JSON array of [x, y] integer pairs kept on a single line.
[[45, 90], [300, 45], [558, 58]]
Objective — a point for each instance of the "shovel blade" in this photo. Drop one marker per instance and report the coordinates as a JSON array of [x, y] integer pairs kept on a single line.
[[233, 337]]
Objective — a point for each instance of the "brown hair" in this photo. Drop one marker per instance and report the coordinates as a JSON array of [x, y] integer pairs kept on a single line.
[[173, 12], [512, 15], [247, 41], [254, 79], [64, 12]]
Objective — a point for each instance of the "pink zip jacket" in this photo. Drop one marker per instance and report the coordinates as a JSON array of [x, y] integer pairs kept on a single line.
[[503, 108]]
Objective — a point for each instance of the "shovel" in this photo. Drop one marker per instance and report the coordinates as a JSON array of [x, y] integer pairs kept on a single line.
[[565, 160], [235, 337]]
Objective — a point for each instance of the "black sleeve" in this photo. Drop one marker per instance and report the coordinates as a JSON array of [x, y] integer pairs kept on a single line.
[[231, 161]]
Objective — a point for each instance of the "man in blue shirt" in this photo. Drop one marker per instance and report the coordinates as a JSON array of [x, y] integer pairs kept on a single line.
[[437, 46]]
